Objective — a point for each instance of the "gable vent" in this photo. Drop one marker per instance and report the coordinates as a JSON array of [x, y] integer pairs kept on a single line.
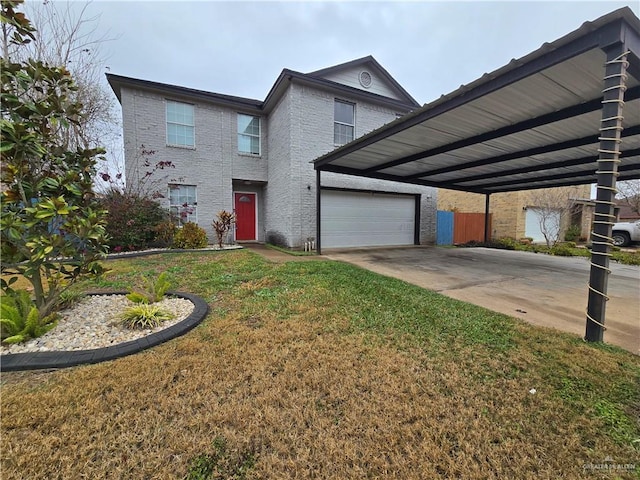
[[365, 79]]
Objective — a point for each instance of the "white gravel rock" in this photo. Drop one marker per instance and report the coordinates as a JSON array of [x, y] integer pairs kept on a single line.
[[94, 323]]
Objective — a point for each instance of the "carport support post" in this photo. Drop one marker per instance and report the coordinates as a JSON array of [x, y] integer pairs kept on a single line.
[[487, 223], [610, 133], [318, 245]]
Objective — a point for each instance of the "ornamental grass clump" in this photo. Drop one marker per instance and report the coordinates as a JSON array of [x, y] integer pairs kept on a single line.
[[144, 316], [154, 290]]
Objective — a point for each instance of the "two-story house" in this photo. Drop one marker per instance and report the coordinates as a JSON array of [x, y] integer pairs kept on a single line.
[[253, 156]]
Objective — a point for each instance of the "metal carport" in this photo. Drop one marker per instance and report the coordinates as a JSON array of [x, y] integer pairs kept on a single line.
[[566, 114]]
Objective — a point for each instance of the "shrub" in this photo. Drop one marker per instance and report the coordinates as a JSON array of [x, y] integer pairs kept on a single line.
[[561, 250], [566, 249], [627, 258], [144, 316], [190, 236], [223, 224], [472, 244], [20, 319], [165, 233], [154, 291], [572, 234], [508, 243], [502, 243], [131, 220]]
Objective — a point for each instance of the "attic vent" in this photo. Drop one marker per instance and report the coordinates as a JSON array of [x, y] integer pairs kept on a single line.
[[365, 79]]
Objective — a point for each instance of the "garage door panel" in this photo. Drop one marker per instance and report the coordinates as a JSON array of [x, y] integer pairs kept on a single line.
[[351, 219]]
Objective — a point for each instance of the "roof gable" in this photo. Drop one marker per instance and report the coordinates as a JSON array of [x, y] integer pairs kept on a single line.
[[365, 74], [383, 89]]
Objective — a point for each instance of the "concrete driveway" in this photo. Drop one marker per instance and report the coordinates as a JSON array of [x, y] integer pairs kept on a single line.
[[541, 289]]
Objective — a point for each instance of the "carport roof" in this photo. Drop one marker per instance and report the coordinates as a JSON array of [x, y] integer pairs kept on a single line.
[[533, 123]]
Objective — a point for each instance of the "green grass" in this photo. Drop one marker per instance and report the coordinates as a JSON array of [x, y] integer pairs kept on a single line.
[[220, 463], [288, 251], [320, 369], [563, 249]]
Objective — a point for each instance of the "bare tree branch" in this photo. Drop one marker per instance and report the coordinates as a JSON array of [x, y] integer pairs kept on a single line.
[[629, 192], [554, 207], [69, 37]]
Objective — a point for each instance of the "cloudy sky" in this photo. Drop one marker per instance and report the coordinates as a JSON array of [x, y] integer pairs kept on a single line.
[[239, 48]]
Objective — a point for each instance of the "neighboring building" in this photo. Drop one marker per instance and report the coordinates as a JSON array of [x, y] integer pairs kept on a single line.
[[253, 156], [517, 214], [624, 210]]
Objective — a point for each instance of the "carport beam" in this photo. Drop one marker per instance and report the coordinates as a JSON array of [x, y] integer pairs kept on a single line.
[[487, 219], [609, 157]]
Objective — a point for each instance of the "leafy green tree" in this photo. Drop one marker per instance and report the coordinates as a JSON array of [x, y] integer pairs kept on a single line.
[[52, 229]]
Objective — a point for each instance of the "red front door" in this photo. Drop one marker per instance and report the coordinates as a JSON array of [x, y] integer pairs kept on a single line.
[[245, 206]]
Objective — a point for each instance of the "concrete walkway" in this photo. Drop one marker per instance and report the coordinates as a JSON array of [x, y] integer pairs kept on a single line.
[[277, 256]]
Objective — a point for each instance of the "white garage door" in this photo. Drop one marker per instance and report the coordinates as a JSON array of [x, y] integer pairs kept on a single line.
[[533, 225], [364, 219]]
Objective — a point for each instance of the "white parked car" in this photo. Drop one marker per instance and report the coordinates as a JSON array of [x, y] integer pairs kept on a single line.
[[624, 233]]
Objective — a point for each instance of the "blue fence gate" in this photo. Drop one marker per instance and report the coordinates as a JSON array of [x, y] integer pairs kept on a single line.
[[444, 228]]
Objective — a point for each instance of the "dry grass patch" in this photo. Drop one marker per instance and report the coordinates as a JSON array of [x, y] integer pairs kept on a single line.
[[304, 371]]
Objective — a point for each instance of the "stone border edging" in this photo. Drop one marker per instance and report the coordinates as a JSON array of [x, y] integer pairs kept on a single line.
[[69, 358]]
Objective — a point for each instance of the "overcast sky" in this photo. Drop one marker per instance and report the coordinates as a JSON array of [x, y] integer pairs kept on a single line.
[[240, 48]]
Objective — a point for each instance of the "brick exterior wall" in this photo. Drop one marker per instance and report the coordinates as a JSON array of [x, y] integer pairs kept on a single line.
[[508, 208], [311, 135], [298, 130], [278, 207], [212, 166]]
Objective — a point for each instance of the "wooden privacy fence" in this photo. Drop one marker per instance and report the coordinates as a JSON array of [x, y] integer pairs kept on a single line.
[[468, 227], [457, 228]]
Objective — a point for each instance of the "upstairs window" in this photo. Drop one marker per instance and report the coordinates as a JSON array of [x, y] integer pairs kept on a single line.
[[180, 124], [343, 122], [248, 134], [183, 203]]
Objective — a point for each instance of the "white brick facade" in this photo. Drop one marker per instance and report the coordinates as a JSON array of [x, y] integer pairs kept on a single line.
[[296, 129]]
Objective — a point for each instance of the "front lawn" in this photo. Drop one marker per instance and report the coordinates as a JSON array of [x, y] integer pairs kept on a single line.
[[319, 369]]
